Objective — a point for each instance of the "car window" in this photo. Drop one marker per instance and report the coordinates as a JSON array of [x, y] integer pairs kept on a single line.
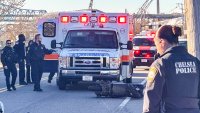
[[143, 42]]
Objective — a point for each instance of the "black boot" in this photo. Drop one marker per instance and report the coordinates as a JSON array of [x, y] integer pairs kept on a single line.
[[13, 87]]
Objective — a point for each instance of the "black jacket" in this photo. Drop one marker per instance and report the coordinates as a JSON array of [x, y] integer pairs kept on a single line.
[[8, 56], [173, 83], [20, 50], [37, 52]]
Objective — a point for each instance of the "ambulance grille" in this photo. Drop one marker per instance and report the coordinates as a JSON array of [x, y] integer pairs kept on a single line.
[[89, 62]]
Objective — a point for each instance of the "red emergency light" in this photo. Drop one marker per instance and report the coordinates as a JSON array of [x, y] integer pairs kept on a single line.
[[137, 52], [148, 55], [151, 33], [84, 18], [122, 19], [103, 19], [64, 19]]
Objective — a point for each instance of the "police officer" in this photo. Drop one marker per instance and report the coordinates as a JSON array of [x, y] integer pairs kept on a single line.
[[173, 79], [51, 76], [8, 59], [29, 77], [37, 52], [19, 48]]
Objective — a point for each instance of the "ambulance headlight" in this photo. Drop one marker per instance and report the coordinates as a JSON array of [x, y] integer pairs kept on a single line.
[[63, 62], [114, 63]]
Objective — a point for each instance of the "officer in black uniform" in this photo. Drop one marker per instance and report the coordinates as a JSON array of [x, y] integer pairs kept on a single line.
[[29, 77], [19, 48], [173, 79], [37, 52], [8, 59], [51, 74]]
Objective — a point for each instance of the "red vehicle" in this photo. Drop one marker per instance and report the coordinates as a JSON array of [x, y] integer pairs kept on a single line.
[[143, 51]]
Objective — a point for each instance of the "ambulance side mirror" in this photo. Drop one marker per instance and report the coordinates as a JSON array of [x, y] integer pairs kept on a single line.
[[53, 44], [129, 45]]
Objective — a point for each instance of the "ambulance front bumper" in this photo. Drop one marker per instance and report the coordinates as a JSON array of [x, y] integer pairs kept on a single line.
[[90, 75]]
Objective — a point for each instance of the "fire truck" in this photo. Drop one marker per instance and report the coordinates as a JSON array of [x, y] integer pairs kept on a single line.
[[91, 45], [144, 49]]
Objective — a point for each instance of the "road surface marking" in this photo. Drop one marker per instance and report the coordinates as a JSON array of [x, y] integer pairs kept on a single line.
[[122, 105], [143, 82], [18, 86], [139, 77], [1, 107]]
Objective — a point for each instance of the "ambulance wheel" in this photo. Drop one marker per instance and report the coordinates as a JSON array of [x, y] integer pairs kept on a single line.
[[127, 80], [119, 78], [61, 84], [131, 66]]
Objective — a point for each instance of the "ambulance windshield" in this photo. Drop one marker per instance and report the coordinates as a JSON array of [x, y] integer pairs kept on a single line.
[[91, 39], [143, 42]]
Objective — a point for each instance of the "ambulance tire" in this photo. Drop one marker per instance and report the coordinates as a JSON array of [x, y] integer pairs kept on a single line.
[[120, 74], [118, 78], [61, 84], [131, 68], [127, 80]]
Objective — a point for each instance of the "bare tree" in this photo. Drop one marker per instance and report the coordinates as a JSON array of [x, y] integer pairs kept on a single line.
[[7, 6]]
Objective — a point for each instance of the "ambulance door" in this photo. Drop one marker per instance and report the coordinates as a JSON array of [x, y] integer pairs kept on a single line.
[[48, 29]]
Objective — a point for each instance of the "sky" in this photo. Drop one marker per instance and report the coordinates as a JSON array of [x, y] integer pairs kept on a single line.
[[132, 6]]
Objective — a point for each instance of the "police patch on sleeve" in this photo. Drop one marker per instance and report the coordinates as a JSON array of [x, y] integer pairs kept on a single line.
[[151, 75]]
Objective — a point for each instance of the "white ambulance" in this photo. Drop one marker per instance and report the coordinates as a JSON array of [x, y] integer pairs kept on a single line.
[[92, 45]]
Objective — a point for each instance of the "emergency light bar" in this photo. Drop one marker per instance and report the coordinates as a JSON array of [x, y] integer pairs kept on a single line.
[[102, 19], [74, 19], [113, 19], [122, 19], [65, 19], [84, 19], [94, 19]]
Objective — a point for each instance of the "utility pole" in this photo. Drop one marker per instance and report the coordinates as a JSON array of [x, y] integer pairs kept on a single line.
[[90, 5], [180, 5], [158, 6], [192, 15]]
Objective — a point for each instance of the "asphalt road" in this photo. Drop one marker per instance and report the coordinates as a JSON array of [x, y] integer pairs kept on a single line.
[[76, 99]]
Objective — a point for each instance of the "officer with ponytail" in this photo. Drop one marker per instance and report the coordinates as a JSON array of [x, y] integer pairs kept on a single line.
[[173, 78]]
